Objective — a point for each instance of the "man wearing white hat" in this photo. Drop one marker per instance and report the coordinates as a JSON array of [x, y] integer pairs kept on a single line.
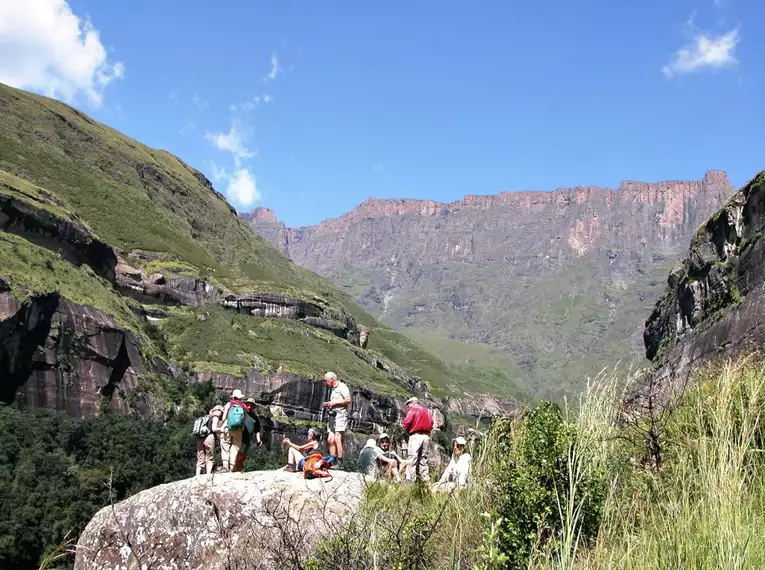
[[418, 423], [233, 429]]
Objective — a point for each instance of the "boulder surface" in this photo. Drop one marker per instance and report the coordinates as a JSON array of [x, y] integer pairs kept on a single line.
[[229, 520]]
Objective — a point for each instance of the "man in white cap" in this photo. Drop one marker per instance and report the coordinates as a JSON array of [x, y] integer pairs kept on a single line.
[[233, 420], [458, 470], [386, 469], [337, 408], [418, 423]]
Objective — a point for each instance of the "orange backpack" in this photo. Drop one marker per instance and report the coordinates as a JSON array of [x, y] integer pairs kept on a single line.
[[315, 467]]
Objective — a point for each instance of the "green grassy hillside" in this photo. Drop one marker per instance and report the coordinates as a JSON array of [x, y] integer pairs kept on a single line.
[[137, 198]]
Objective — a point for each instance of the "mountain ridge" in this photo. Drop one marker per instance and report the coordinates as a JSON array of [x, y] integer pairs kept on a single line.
[[591, 244]]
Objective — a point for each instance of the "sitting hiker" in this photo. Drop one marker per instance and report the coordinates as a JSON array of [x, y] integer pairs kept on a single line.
[[296, 454], [207, 429], [251, 430], [368, 459], [458, 470], [389, 470], [233, 427]]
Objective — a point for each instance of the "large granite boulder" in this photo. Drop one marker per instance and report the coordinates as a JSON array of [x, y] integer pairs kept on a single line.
[[231, 520]]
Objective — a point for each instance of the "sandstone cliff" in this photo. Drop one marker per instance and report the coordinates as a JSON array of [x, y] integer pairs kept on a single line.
[[714, 303], [561, 280]]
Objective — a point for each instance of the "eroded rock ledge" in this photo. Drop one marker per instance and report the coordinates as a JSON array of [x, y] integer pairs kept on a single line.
[[69, 237]]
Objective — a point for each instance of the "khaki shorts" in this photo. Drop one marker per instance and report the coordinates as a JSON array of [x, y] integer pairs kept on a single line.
[[337, 423]]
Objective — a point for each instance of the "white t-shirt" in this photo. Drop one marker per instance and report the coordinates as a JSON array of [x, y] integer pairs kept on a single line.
[[457, 471], [339, 393]]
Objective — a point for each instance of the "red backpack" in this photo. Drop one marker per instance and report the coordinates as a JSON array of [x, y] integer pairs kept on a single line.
[[315, 467]]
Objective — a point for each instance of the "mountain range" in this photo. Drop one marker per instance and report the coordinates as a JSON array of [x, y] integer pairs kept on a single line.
[[541, 288]]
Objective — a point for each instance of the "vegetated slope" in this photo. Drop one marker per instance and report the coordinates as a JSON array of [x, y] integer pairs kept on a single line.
[[558, 281], [172, 251]]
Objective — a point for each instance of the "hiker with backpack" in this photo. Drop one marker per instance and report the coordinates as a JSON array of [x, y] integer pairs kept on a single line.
[[337, 409], [250, 432], [233, 427], [368, 458], [297, 454], [418, 423], [207, 429]]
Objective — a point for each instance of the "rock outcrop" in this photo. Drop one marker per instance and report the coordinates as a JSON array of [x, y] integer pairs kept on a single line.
[[276, 305], [59, 355], [232, 520], [714, 303], [580, 267], [187, 291], [59, 232]]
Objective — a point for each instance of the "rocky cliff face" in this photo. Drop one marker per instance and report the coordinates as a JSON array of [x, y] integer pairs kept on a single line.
[[233, 520], [559, 280], [714, 303]]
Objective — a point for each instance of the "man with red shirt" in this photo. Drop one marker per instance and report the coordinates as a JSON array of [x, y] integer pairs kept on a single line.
[[418, 423]]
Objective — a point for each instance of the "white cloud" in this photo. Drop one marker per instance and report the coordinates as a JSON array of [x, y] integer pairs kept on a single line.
[[200, 103], [703, 52], [45, 47], [232, 141], [275, 68], [242, 188], [268, 98]]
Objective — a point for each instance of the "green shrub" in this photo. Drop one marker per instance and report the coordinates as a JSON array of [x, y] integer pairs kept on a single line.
[[538, 477]]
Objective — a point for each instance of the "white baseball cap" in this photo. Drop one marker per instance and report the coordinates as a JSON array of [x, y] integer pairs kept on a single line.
[[460, 440]]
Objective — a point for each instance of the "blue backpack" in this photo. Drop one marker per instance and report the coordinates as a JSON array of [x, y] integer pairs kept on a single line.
[[235, 418]]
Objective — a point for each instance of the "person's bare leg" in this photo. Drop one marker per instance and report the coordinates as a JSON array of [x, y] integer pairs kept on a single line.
[[339, 442], [293, 457], [331, 443]]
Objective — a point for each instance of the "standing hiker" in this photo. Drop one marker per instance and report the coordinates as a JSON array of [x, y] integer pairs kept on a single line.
[[418, 423], [337, 408], [250, 432], [233, 426], [207, 429]]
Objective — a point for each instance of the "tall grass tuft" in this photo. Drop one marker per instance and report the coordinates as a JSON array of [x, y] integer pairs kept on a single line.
[[704, 508]]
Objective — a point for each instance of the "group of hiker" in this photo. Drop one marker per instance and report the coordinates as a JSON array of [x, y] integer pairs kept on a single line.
[[235, 426]]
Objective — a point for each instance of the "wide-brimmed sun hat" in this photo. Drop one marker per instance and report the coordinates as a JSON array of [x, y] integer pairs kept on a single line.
[[237, 394]]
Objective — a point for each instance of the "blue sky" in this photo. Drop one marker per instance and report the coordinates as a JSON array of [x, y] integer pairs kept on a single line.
[[308, 108]]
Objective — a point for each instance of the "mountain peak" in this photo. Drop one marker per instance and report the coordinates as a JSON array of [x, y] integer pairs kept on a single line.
[[261, 214]]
